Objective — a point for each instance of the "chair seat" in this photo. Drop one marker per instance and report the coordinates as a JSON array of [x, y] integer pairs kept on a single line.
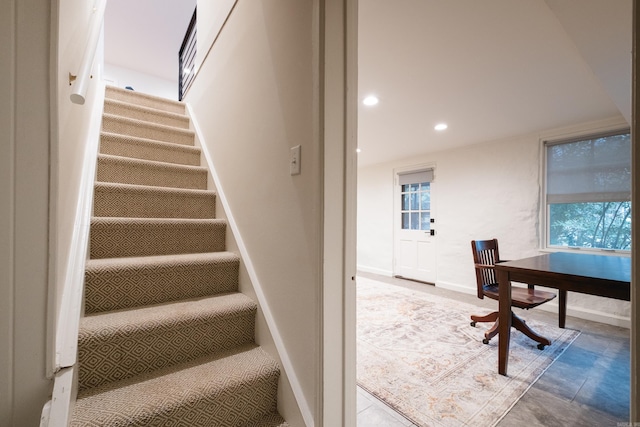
[[521, 297]]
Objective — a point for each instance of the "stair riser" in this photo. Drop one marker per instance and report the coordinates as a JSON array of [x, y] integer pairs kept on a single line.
[[140, 173], [139, 239], [136, 148], [145, 204], [115, 124], [119, 287], [131, 112], [133, 353], [147, 101]]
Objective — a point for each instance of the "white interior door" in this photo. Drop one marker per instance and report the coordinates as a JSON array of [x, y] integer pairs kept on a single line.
[[415, 241]]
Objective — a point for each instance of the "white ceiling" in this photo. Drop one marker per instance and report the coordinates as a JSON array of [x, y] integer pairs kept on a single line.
[[146, 35], [491, 69]]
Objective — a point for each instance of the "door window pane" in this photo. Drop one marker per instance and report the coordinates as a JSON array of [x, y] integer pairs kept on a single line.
[[425, 224], [406, 224], [405, 202], [415, 223], [425, 201], [415, 205]]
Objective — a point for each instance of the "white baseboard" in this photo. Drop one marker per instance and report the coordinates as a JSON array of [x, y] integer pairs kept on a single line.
[[456, 287], [375, 270], [589, 314]]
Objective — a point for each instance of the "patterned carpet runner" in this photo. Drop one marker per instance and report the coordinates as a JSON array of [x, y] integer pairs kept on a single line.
[[166, 339]]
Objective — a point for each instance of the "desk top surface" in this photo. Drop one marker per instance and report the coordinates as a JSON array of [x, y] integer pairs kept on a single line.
[[614, 268]]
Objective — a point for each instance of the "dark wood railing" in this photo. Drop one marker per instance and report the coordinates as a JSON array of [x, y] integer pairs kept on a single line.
[[187, 58]]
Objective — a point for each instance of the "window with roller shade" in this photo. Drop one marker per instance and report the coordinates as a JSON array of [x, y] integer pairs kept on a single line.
[[588, 192], [415, 199]]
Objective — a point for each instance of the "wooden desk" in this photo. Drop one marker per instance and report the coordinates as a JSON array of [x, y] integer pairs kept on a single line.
[[607, 276]]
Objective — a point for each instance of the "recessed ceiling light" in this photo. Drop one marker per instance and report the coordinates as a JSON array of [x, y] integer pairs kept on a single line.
[[441, 126], [370, 100], [358, 150]]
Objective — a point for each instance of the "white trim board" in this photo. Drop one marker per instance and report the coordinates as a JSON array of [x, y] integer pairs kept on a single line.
[[71, 305]]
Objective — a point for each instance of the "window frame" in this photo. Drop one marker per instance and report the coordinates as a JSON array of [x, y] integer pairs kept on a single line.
[[545, 207]]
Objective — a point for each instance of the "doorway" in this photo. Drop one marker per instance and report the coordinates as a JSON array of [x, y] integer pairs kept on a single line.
[[414, 225]]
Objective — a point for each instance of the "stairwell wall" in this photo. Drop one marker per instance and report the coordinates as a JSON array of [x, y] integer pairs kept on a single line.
[[254, 100]]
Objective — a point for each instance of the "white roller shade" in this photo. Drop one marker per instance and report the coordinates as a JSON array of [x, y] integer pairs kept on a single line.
[[415, 177], [592, 170]]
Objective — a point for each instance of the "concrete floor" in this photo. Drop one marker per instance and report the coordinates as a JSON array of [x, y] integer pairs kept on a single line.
[[588, 385]]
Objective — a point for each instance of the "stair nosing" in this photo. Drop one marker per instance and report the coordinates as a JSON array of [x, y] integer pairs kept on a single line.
[[154, 259], [156, 221], [150, 189]]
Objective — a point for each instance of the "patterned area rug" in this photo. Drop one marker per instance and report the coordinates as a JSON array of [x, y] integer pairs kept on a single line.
[[418, 354]]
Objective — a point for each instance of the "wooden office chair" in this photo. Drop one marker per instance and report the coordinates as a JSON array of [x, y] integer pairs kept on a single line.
[[485, 256]]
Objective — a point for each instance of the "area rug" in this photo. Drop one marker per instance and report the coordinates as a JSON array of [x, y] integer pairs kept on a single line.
[[418, 354]]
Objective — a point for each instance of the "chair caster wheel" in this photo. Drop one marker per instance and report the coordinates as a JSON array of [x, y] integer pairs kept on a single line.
[[485, 341], [541, 346], [473, 324]]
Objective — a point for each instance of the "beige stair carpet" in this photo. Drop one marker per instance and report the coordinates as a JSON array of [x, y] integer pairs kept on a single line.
[[166, 339]]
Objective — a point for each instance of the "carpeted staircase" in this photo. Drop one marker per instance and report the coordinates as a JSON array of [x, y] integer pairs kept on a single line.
[[166, 338]]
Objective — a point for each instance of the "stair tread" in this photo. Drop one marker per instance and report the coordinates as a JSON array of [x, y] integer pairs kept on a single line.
[[165, 144], [139, 128], [127, 170], [145, 124], [114, 92], [104, 326], [147, 109], [139, 147], [159, 395], [152, 163]]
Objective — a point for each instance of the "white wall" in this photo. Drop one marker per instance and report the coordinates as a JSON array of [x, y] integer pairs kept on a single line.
[[122, 77], [254, 99], [24, 194], [482, 191], [211, 18]]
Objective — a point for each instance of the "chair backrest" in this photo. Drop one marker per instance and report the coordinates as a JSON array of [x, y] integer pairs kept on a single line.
[[485, 254]]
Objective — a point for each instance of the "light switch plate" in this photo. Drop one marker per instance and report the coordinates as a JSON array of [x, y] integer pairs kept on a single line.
[[294, 160]]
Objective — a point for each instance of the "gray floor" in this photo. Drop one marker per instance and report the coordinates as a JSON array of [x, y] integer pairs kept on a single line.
[[588, 385]]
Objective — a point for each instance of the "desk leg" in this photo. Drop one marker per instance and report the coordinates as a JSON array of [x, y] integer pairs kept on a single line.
[[504, 320], [562, 308]]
